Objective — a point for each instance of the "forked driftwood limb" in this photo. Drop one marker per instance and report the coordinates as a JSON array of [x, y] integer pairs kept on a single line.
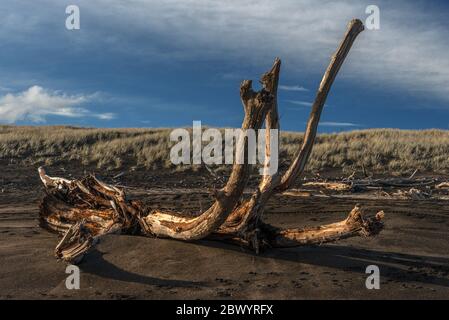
[[87, 209], [244, 220]]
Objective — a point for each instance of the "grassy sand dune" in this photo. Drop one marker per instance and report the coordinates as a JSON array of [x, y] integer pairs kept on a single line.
[[378, 150]]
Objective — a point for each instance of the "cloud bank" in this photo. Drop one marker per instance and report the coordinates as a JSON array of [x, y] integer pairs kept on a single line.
[[407, 57], [37, 103], [408, 53]]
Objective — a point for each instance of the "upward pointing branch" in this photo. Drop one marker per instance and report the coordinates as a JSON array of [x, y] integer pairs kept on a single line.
[[245, 217], [300, 160]]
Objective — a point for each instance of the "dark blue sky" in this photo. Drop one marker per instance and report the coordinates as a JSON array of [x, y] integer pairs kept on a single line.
[[166, 63]]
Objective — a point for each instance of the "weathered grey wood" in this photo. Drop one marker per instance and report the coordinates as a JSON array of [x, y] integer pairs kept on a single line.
[[87, 209]]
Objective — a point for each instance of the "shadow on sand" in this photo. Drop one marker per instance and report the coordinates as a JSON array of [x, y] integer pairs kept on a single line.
[[95, 264], [398, 267], [395, 267]]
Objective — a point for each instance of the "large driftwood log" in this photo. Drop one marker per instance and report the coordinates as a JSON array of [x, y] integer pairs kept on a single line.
[[244, 220], [87, 209]]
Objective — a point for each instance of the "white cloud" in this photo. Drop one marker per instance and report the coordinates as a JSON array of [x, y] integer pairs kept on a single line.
[[338, 124], [105, 116], [36, 103], [307, 104], [300, 103], [292, 88]]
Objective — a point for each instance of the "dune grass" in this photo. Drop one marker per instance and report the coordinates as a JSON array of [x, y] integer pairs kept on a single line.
[[378, 150]]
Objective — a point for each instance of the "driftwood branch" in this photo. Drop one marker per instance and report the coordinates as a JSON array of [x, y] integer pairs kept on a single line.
[[354, 225], [375, 184], [245, 218], [300, 160], [85, 210], [163, 224]]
